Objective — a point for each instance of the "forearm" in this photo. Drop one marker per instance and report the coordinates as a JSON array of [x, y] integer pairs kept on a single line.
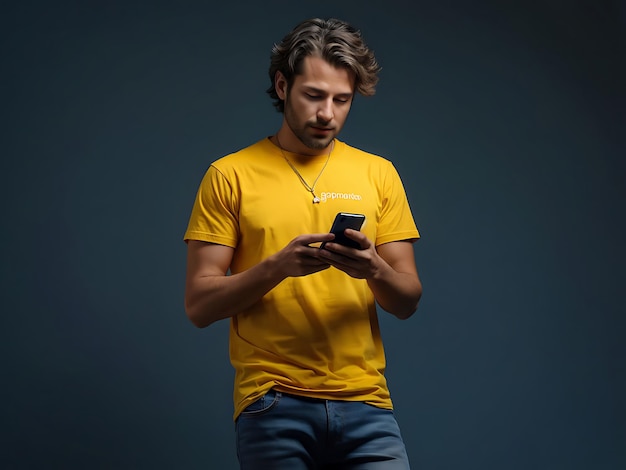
[[396, 292], [214, 297], [211, 295]]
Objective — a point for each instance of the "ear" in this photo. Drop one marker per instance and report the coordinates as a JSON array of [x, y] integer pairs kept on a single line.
[[280, 85]]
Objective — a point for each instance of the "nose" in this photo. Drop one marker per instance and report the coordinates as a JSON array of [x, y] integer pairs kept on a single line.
[[325, 111]]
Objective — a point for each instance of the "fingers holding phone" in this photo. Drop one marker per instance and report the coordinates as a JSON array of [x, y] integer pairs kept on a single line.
[[351, 251], [343, 221]]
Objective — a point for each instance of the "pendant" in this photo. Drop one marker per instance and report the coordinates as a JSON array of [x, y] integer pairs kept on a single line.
[[316, 200]]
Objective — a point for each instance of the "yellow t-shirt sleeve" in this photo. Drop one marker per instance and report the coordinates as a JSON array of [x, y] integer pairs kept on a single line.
[[396, 220], [214, 214]]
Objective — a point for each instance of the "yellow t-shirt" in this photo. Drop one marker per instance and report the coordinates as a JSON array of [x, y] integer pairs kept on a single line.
[[315, 335]]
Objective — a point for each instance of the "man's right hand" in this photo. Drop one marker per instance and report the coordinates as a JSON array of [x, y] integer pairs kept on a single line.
[[211, 295], [300, 258]]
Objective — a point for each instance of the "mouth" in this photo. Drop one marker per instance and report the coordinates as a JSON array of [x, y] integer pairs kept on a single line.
[[322, 130]]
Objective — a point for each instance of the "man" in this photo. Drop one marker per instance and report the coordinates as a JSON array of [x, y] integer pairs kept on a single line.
[[310, 390]]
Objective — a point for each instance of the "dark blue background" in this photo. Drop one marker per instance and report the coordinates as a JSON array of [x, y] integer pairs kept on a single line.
[[503, 120]]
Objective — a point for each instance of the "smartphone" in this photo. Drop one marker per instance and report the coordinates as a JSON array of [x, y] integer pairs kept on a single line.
[[344, 220]]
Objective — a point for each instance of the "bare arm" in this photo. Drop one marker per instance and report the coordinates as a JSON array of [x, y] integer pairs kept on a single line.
[[389, 269], [396, 284], [211, 295]]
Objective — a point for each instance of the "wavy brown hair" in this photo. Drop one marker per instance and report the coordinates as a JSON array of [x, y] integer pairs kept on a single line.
[[335, 41]]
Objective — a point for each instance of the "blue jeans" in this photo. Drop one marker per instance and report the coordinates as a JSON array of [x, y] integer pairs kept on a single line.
[[282, 431]]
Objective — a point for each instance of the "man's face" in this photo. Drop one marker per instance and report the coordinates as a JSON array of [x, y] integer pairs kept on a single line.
[[318, 102]]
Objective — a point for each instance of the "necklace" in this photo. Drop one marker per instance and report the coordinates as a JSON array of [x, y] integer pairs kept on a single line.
[[309, 188]]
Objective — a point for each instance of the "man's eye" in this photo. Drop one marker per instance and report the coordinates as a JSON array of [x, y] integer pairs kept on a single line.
[[313, 97]]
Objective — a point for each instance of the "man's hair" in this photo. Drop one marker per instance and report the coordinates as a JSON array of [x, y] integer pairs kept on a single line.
[[333, 40]]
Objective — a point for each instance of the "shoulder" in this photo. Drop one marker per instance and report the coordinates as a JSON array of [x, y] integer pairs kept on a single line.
[[353, 157], [351, 152], [243, 156]]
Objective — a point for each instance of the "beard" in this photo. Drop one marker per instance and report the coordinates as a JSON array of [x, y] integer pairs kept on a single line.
[[306, 133]]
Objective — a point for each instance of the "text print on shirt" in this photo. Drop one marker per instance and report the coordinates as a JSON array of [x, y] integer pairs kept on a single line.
[[332, 195]]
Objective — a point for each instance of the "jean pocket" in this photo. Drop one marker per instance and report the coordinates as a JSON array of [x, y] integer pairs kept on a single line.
[[262, 404]]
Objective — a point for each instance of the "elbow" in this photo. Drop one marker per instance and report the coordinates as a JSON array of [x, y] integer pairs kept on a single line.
[[405, 316], [406, 313], [402, 311], [196, 315], [406, 310], [203, 311]]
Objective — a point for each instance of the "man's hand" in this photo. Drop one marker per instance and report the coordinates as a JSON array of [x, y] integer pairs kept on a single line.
[[360, 264], [211, 294], [389, 269], [299, 258]]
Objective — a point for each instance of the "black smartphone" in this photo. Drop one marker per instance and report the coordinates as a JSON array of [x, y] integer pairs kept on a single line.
[[344, 220]]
